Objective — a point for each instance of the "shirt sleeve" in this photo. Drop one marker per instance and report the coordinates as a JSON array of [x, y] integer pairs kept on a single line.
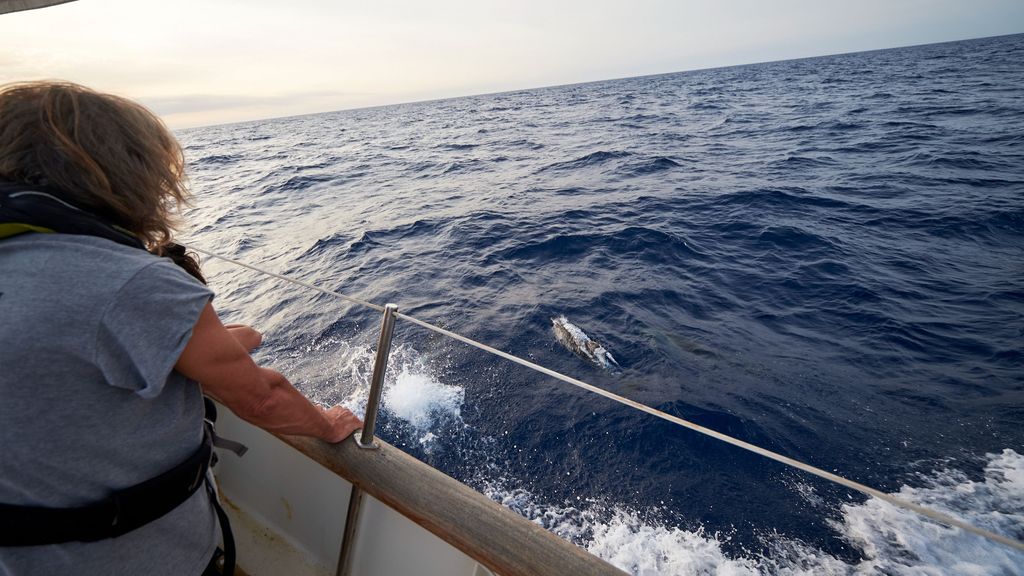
[[145, 328]]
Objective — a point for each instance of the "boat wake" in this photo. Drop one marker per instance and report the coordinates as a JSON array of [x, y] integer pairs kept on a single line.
[[890, 540]]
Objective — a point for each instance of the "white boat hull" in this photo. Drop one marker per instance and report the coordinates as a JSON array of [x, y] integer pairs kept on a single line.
[[288, 517]]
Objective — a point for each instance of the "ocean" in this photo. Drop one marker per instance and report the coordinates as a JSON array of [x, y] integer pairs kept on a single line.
[[824, 257]]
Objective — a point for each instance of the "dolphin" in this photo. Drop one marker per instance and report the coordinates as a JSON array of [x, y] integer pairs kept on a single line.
[[575, 339]]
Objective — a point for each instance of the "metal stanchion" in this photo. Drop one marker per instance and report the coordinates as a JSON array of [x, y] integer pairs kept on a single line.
[[365, 440]]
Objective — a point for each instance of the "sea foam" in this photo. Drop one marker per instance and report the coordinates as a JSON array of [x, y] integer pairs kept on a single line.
[[891, 540], [412, 391], [419, 398]]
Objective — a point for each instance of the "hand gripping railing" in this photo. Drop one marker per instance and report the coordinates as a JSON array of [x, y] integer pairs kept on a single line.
[[391, 312]]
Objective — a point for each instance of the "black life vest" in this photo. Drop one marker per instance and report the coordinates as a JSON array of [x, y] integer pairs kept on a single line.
[[26, 209], [34, 209]]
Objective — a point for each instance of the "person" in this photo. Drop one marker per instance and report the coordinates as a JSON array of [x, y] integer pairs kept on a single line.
[[104, 344]]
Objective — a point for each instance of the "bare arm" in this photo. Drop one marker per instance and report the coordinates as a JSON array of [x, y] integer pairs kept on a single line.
[[261, 396], [249, 337]]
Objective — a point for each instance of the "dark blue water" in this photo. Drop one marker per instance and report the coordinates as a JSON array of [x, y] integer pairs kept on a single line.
[[824, 257]]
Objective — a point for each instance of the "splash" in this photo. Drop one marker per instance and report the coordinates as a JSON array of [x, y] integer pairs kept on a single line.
[[645, 550], [900, 542], [418, 398], [891, 540], [412, 391]]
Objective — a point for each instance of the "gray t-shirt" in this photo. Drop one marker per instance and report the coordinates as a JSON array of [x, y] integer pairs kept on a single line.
[[90, 331]]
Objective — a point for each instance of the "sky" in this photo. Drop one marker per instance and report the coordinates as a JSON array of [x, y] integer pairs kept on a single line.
[[203, 62]]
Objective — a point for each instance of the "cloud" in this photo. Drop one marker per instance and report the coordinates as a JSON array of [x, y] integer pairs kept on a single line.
[[192, 103], [269, 59]]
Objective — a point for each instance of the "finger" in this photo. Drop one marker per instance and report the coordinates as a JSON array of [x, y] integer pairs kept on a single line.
[[341, 412], [343, 431]]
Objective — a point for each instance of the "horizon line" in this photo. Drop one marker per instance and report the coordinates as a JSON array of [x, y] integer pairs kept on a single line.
[[585, 82]]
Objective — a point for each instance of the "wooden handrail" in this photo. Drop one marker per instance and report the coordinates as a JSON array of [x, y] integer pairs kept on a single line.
[[484, 530]]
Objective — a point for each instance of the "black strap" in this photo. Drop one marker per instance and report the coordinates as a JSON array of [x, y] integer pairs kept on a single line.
[[121, 512], [228, 537]]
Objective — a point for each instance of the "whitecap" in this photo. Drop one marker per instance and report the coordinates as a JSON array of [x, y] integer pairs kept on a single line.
[[890, 540]]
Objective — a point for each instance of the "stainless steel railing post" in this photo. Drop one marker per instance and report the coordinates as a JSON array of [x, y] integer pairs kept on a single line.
[[365, 439], [380, 365]]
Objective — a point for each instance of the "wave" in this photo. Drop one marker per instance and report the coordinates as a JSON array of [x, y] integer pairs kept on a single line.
[[650, 245], [300, 183], [217, 159], [797, 162], [455, 146], [346, 245], [654, 166], [465, 166], [789, 199], [794, 238], [592, 159]]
